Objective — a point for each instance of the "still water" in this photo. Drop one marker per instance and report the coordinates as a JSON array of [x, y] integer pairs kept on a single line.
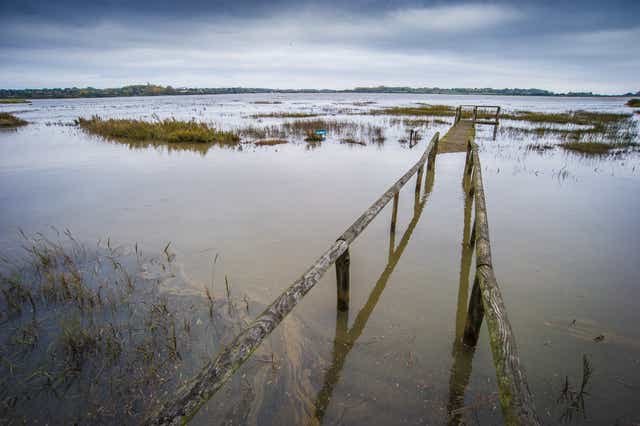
[[564, 233]]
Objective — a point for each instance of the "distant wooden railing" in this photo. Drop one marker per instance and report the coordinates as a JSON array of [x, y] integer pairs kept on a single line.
[[486, 301], [492, 119], [191, 396]]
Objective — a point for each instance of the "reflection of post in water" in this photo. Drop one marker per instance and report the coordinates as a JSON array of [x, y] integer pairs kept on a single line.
[[468, 320], [346, 338]]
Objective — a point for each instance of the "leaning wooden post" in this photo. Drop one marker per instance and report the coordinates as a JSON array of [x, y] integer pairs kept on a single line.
[[475, 113], [342, 280], [498, 116]]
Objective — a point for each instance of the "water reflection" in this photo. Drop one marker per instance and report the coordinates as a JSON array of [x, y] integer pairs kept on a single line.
[[468, 320], [345, 338]]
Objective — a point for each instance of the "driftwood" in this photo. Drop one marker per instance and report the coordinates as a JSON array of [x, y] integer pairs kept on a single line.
[[515, 397], [192, 395]]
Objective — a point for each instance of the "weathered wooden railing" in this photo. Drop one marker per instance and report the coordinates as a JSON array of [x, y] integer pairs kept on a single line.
[[492, 119], [486, 301], [191, 396]]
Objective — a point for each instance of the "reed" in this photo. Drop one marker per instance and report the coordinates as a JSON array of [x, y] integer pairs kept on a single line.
[[165, 131]]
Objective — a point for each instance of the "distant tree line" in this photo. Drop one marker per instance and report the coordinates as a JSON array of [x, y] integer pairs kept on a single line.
[[154, 90]]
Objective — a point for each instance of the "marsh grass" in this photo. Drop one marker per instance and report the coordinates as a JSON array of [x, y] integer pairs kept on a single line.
[[428, 110], [285, 115], [14, 101], [571, 117], [270, 142], [266, 102], [92, 336], [305, 130], [163, 131], [9, 120], [634, 103], [599, 148]]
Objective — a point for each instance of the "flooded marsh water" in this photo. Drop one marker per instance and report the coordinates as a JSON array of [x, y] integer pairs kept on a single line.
[[564, 233]]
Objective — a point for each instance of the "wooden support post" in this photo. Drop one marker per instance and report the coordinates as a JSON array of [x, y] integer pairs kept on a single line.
[[342, 280], [498, 115], [475, 113]]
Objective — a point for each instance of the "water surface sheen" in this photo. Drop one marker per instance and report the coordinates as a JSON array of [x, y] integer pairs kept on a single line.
[[564, 233]]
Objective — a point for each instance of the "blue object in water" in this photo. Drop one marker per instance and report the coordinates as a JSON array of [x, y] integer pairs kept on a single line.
[[321, 132]]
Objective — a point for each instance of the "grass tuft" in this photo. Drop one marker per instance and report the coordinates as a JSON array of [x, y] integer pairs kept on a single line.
[[633, 103], [10, 120], [167, 131]]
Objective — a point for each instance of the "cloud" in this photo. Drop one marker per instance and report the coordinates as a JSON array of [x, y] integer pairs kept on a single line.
[[316, 45]]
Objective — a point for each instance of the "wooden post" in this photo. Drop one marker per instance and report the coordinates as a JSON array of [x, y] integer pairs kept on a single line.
[[342, 280], [475, 113], [498, 115]]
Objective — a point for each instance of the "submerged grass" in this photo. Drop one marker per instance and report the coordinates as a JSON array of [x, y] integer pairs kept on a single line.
[[10, 120], [167, 131], [95, 335]]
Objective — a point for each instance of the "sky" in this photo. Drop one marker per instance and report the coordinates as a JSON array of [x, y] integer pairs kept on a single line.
[[287, 44]]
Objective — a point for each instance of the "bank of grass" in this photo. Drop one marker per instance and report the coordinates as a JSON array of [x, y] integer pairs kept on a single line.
[[633, 103], [167, 131], [428, 110], [571, 117], [9, 120], [14, 101], [270, 142], [598, 148]]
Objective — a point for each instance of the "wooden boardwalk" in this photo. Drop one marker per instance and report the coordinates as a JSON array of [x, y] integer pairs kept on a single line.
[[457, 137]]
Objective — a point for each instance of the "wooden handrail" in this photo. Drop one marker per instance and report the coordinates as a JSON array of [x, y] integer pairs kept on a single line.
[[193, 394], [515, 397]]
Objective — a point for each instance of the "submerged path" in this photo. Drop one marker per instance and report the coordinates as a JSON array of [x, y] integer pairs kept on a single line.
[[457, 137]]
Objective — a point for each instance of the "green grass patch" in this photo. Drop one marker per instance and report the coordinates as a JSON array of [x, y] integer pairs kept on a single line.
[[271, 142], [168, 131], [9, 120], [14, 101], [634, 103]]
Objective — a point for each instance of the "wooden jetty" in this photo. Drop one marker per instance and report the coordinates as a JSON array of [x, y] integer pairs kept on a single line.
[[485, 301]]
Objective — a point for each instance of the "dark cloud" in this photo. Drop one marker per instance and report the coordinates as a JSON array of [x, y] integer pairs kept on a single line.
[[320, 44]]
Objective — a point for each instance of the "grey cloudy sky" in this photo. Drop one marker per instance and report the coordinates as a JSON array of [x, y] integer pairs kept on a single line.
[[561, 45]]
